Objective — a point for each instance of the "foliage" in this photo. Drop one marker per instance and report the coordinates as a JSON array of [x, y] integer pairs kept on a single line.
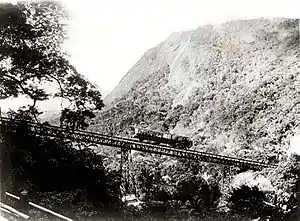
[[42, 164], [236, 97], [226, 102], [252, 179], [174, 186], [286, 178], [32, 58], [229, 103], [273, 193]]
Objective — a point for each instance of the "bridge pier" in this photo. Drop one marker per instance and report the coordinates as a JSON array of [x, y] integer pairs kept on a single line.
[[127, 178]]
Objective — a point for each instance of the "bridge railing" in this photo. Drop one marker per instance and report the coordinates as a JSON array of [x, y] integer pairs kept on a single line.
[[12, 212], [25, 203]]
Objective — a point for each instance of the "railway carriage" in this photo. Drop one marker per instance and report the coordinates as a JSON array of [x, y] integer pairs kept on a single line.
[[161, 138]]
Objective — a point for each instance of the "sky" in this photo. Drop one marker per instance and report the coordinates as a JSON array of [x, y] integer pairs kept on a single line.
[[107, 37]]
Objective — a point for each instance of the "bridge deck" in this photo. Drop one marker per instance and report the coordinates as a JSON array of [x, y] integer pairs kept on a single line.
[[132, 144]]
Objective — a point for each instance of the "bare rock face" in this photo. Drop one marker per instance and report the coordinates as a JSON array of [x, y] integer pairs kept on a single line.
[[234, 88], [198, 53]]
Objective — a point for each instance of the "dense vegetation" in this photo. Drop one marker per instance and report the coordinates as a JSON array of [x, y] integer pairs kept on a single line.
[[218, 112], [235, 92], [31, 59], [53, 167]]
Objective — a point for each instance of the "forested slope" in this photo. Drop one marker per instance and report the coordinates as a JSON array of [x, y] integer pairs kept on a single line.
[[233, 88]]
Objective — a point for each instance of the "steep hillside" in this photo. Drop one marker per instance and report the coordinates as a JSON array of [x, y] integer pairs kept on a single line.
[[233, 88]]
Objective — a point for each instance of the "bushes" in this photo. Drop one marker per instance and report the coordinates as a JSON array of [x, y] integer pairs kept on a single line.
[[174, 186], [287, 180], [272, 193], [51, 164]]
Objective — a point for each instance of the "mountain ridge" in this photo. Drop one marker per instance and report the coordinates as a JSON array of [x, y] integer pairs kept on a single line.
[[233, 88], [156, 55]]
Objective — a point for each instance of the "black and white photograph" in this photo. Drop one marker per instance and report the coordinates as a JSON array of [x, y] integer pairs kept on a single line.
[[150, 110]]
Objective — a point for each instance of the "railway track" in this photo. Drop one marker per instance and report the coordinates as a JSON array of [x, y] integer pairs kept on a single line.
[[132, 144]]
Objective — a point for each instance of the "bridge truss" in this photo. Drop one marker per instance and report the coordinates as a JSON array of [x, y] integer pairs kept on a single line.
[[127, 144]]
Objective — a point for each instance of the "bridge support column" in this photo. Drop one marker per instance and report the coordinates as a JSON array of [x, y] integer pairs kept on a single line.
[[127, 178], [226, 173]]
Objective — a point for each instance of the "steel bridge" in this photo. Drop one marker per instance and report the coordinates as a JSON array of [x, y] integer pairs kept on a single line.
[[133, 144]]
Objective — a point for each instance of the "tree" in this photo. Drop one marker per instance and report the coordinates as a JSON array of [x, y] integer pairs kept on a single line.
[[52, 171], [31, 56]]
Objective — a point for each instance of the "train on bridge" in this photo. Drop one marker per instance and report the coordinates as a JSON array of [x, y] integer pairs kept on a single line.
[[160, 138], [133, 144]]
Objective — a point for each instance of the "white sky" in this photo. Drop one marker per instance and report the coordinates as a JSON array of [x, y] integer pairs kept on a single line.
[[107, 37]]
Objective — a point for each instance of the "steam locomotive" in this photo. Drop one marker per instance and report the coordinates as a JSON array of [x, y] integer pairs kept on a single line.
[[159, 138]]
